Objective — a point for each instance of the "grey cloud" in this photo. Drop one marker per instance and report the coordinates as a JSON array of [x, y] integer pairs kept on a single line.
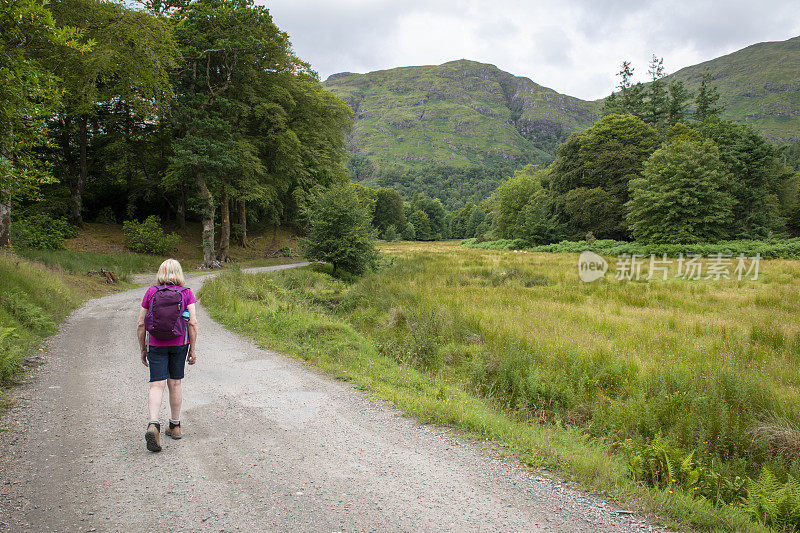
[[571, 44]]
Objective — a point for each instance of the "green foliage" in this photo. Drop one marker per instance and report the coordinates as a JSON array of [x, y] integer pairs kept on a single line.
[[600, 162], [499, 244], [409, 232], [419, 221], [772, 503], [758, 179], [391, 234], [682, 197], [595, 209], [149, 237], [436, 217], [512, 196], [660, 464], [28, 95], [41, 231], [340, 232], [707, 100], [388, 210], [778, 249], [470, 221], [10, 356], [681, 132]]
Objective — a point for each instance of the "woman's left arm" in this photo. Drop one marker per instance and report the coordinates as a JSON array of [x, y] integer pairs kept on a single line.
[[142, 334], [192, 332]]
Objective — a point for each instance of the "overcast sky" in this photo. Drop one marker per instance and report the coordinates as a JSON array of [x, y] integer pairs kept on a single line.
[[572, 46]]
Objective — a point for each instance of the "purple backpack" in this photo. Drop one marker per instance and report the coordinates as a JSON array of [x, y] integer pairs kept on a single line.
[[163, 319]]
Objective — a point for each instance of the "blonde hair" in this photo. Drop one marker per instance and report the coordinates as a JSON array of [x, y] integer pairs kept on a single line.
[[170, 272]]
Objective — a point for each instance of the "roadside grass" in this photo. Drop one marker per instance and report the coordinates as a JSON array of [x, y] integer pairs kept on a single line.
[[122, 264], [33, 301], [577, 378]]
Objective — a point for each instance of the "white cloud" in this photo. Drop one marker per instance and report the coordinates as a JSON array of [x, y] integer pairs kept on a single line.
[[574, 46]]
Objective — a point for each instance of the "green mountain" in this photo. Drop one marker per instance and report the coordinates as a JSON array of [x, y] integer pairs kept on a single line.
[[456, 130], [758, 85], [457, 114]]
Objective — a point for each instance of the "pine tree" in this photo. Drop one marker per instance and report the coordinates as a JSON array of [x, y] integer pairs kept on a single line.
[[707, 100], [657, 100], [678, 103]]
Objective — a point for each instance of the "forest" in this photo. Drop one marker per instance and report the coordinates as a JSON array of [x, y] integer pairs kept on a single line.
[[194, 110]]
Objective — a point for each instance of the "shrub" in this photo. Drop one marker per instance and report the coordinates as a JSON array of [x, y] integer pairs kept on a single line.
[[779, 249], [391, 234], [340, 232], [106, 216], [149, 237], [42, 232]]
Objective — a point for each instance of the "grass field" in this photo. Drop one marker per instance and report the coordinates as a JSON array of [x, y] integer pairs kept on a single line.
[[679, 395]]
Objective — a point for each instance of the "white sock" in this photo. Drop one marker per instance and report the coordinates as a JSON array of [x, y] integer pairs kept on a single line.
[[175, 422]]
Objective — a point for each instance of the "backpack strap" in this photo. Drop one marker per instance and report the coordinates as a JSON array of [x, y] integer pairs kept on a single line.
[[176, 288]]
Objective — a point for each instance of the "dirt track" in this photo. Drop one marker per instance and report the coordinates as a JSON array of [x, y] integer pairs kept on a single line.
[[269, 445]]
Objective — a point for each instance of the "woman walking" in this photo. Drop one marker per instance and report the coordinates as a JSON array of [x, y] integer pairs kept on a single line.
[[168, 326]]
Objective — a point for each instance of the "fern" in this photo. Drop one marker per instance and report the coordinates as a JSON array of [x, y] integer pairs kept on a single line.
[[772, 503]]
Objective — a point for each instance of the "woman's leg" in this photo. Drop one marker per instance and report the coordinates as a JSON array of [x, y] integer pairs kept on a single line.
[[175, 397], [154, 398]]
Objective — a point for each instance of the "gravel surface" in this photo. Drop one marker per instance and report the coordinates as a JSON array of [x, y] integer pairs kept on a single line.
[[269, 445]]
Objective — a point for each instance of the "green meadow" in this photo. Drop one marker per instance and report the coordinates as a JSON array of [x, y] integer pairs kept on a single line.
[[680, 396]]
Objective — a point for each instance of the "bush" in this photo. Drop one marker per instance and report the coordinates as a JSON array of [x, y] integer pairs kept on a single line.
[[149, 237], [42, 232], [340, 232], [391, 234], [779, 249]]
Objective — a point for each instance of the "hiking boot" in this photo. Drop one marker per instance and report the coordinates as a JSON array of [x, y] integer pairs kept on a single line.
[[174, 430], [153, 437]]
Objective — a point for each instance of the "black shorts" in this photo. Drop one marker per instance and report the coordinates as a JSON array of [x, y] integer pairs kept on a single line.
[[167, 362]]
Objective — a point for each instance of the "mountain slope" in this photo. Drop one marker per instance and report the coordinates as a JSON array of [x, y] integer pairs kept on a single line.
[[458, 113], [758, 85]]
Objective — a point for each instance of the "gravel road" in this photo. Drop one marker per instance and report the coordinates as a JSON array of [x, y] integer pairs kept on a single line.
[[269, 445]]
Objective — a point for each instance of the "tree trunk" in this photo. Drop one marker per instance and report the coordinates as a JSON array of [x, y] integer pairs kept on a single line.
[[243, 222], [208, 223], [5, 218], [76, 195], [225, 238], [180, 211], [5, 196]]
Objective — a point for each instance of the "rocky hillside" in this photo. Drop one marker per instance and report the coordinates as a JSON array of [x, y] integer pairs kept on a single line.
[[759, 85], [456, 114]]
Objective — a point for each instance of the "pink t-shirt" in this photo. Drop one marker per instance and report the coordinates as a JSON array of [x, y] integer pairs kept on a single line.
[[188, 298]]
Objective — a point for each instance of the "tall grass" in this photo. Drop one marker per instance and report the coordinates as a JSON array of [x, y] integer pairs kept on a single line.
[[122, 264], [33, 301]]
